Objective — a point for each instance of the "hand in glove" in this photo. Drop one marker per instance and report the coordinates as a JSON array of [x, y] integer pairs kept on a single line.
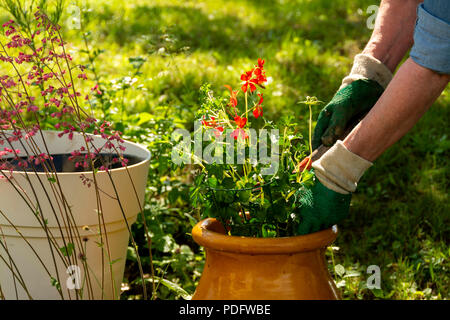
[[337, 173], [357, 95]]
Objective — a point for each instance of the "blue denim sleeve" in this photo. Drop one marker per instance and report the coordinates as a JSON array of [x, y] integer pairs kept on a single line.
[[431, 47]]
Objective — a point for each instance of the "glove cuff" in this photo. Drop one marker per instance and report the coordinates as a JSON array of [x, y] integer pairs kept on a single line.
[[340, 169], [368, 67]]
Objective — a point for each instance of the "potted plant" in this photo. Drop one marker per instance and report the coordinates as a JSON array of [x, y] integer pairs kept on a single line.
[[253, 202], [70, 186]]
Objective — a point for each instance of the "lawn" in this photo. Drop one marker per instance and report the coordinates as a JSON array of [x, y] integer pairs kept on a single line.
[[399, 218]]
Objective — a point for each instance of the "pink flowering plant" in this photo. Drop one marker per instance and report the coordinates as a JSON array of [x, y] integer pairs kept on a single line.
[[259, 185], [41, 90]]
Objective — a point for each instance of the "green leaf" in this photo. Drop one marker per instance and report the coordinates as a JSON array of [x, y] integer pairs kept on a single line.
[[131, 254], [55, 283], [378, 293], [67, 250], [192, 220], [307, 178], [339, 269], [176, 288], [212, 182], [165, 243], [350, 274], [199, 179], [173, 195], [244, 196], [269, 231], [144, 117], [341, 283], [215, 170], [228, 183]]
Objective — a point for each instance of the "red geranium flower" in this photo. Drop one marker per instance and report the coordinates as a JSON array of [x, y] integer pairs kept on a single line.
[[211, 123], [260, 95], [241, 122], [248, 81], [261, 80], [260, 63], [233, 94], [258, 111], [260, 77]]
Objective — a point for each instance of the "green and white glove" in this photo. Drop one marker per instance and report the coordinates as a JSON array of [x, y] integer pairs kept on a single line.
[[337, 173], [359, 92]]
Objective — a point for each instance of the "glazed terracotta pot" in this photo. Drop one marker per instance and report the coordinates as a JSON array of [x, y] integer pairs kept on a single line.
[[244, 268]]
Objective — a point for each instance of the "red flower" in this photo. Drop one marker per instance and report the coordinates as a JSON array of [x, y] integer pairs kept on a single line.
[[248, 81], [241, 122], [233, 94], [258, 111], [260, 95], [259, 73], [211, 123], [260, 63], [260, 77]]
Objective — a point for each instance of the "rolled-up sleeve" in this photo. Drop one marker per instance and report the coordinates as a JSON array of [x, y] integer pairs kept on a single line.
[[431, 47]]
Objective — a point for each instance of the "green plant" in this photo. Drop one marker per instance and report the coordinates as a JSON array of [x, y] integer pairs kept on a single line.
[[250, 193]]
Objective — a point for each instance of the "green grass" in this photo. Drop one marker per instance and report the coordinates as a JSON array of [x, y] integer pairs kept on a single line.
[[399, 218]]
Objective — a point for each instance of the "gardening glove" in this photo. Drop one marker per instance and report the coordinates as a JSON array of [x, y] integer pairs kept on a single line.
[[337, 173], [358, 93]]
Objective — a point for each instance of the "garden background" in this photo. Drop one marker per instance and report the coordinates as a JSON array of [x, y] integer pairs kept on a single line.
[[150, 58]]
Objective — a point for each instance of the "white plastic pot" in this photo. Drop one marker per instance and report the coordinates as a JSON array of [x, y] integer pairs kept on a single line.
[[97, 273]]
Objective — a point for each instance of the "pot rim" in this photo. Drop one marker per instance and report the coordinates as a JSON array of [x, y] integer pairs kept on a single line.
[[210, 234], [53, 132]]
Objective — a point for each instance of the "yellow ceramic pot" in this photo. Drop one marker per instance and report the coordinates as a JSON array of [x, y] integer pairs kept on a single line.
[[244, 268]]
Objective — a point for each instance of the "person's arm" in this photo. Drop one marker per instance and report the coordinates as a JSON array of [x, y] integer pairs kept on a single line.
[[408, 96], [416, 85], [392, 36], [371, 72]]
